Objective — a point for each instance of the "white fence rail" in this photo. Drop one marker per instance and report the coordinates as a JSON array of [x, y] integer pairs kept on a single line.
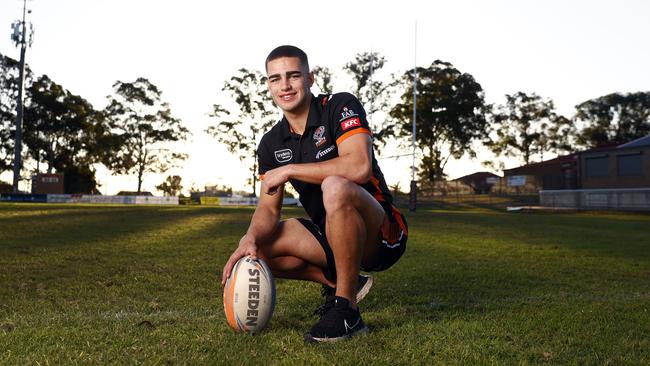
[[135, 200], [634, 199]]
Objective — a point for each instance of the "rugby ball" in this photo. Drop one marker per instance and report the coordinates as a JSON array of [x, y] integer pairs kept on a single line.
[[249, 296]]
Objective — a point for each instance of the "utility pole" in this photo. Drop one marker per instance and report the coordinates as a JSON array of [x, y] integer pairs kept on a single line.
[[22, 40], [413, 196], [372, 71]]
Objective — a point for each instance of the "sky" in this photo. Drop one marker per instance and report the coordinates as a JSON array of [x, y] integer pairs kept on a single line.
[[568, 51]]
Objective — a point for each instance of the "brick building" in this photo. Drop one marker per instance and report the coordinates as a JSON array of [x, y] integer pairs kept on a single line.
[[622, 166], [606, 167]]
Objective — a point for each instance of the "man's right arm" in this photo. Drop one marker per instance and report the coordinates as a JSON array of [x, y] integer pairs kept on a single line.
[[266, 216], [264, 222]]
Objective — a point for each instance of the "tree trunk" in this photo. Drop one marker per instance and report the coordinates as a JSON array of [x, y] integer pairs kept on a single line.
[[140, 174], [50, 158], [527, 156], [254, 185], [142, 160], [255, 175]]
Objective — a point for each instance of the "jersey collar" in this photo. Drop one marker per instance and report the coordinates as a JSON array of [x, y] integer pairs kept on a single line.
[[313, 118]]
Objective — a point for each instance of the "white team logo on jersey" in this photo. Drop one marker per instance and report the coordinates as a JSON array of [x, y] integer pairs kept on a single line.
[[347, 113], [322, 153], [282, 156]]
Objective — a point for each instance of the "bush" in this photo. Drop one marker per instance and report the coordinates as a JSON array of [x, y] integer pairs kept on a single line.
[[5, 187]]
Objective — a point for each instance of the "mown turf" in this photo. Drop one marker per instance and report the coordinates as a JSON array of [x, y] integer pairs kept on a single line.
[[130, 285]]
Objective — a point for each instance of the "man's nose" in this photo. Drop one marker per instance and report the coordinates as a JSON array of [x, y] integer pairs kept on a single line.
[[286, 85]]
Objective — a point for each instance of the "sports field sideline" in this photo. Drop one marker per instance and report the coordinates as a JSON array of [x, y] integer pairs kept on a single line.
[[124, 284]]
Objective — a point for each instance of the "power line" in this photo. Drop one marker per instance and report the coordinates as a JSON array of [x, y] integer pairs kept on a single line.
[[395, 156]]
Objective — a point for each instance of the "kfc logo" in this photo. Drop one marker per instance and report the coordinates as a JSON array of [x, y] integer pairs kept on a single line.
[[352, 122]]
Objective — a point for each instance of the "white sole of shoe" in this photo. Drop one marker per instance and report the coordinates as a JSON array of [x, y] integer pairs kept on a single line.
[[309, 338], [365, 289]]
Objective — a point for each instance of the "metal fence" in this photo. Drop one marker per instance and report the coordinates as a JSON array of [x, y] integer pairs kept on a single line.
[[633, 199]]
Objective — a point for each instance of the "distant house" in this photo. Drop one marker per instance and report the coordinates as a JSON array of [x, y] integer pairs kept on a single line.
[[558, 173], [480, 182]]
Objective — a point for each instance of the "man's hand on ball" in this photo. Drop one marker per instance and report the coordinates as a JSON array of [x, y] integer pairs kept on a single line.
[[247, 247]]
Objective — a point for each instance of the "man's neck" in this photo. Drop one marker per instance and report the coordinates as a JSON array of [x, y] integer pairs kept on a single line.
[[298, 119]]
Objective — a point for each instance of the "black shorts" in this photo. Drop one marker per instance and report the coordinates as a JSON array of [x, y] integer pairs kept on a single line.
[[392, 243]]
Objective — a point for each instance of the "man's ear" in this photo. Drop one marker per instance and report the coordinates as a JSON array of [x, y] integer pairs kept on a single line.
[[310, 78]]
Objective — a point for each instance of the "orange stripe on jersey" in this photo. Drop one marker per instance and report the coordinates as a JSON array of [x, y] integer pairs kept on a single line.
[[400, 222], [379, 196], [352, 132]]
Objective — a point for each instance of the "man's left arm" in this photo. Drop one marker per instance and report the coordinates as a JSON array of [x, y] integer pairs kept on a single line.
[[353, 163]]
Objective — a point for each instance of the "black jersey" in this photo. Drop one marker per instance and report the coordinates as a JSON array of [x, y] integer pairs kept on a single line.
[[331, 120]]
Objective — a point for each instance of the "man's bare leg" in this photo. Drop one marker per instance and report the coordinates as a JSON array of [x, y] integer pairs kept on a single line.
[[294, 253], [353, 221]]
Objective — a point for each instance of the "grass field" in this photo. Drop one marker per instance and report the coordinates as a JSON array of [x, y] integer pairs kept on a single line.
[[117, 284]]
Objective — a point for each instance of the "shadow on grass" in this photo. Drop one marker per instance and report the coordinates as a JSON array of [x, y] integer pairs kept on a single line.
[[450, 269], [80, 226], [611, 235], [471, 263]]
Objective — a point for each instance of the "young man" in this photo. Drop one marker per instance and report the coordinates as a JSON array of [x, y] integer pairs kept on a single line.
[[323, 147]]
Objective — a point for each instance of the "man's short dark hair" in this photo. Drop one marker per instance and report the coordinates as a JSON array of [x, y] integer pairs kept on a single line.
[[287, 51]]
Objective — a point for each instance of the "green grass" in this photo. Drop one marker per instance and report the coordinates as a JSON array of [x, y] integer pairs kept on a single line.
[[122, 284]]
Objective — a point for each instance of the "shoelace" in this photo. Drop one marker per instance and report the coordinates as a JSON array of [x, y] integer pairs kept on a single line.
[[324, 308]]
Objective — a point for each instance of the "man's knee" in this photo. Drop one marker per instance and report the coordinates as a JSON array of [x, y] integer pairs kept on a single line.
[[337, 192]]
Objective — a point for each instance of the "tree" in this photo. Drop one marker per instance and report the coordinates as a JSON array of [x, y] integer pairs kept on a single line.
[[323, 79], [520, 128], [47, 131], [242, 132], [145, 127], [8, 91], [61, 129], [613, 119], [560, 135], [450, 115], [66, 132], [373, 93], [171, 186]]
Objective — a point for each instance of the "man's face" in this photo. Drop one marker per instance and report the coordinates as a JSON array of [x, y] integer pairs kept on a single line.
[[289, 82]]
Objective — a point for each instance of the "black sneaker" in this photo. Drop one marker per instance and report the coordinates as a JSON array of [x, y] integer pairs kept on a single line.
[[327, 304], [339, 322], [364, 283]]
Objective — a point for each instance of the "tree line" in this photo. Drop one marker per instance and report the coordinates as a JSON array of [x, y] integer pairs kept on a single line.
[[453, 118], [64, 132], [131, 135]]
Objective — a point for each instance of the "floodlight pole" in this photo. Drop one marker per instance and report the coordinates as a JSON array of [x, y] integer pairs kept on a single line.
[[372, 70], [20, 37], [413, 194]]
